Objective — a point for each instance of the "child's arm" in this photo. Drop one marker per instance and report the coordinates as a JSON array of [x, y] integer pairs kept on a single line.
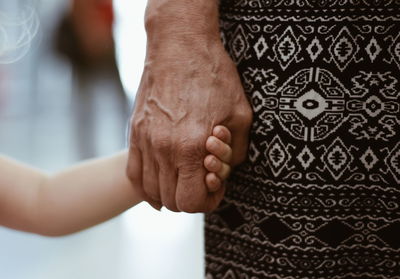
[[69, 201], [86, 194]]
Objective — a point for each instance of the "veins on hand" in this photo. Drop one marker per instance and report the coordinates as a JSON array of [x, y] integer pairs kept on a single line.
[[174, 116]]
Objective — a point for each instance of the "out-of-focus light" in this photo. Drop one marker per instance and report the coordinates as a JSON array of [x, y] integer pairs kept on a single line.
[[130, 39], [17, 30]]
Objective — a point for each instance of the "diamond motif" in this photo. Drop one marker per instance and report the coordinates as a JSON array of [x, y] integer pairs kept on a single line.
[[286, 48], [334, 233], [395, 50], [373, 49], [311, 104], [261, 47], [314, 49], [239, 44], [305, 157], [390, 234], [337, 158], [369, 159], [232, 217], [343, 49], [373, 106], [275, 229], [257, 101], [393, 161], [253, 152], [277, 155]]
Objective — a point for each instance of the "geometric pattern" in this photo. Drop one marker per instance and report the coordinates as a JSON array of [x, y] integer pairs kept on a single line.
[[232, 217], [311, 104], [395, 50], [373, 49], [277, 155], [260, 47], [337, 158], [390, 235], [305, 157], [393, 162], [319, 194], [342, 232], [314, 49], [239, 44], [275, 229], [286, 48], [343, 49], [369, 159]]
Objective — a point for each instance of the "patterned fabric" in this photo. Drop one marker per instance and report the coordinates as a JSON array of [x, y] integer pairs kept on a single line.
[[319, 195]]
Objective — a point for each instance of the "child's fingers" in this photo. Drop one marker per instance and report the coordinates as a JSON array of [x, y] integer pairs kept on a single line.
[[217, 162], [218, 148], [222, 133], [214, 165], [213, 182]]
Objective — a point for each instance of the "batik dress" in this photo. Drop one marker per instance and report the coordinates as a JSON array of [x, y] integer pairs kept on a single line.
[[319, 194]]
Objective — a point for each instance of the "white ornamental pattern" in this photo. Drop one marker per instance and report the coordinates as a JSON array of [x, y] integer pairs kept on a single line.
[[319, 196], [311, 104]]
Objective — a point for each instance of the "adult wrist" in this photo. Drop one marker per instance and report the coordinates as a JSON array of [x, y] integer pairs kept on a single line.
[[184, 21]]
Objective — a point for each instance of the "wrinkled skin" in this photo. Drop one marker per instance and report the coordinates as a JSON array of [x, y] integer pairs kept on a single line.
[[188, 86]]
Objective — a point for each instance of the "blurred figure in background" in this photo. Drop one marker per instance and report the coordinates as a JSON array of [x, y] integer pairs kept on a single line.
[[85, 33], [85, 38]]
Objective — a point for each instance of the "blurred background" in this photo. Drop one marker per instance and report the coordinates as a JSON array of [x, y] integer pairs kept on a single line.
[[66, 93]]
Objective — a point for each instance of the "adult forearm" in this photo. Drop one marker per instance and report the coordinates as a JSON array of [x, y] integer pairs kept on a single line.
[[184, 22], [189, 85]]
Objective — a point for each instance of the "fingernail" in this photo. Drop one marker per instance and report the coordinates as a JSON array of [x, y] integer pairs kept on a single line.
[[214, 143], [220, 133], [214, 163]]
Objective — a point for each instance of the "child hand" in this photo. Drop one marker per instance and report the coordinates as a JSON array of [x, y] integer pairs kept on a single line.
[[218, 162]]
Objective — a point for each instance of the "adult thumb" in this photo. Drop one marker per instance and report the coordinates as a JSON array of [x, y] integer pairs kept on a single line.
[[191, 191]]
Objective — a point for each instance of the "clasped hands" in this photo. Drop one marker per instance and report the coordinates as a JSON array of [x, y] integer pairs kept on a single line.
[[190, 124]]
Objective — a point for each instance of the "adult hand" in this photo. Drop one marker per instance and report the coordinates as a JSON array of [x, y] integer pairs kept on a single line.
[[189, 85]]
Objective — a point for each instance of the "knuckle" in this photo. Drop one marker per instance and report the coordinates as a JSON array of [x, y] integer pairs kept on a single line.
[[191, 151], [246, 115], [188, 145], [137, 130], [161, 143], [136, 124], [190, 171]]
